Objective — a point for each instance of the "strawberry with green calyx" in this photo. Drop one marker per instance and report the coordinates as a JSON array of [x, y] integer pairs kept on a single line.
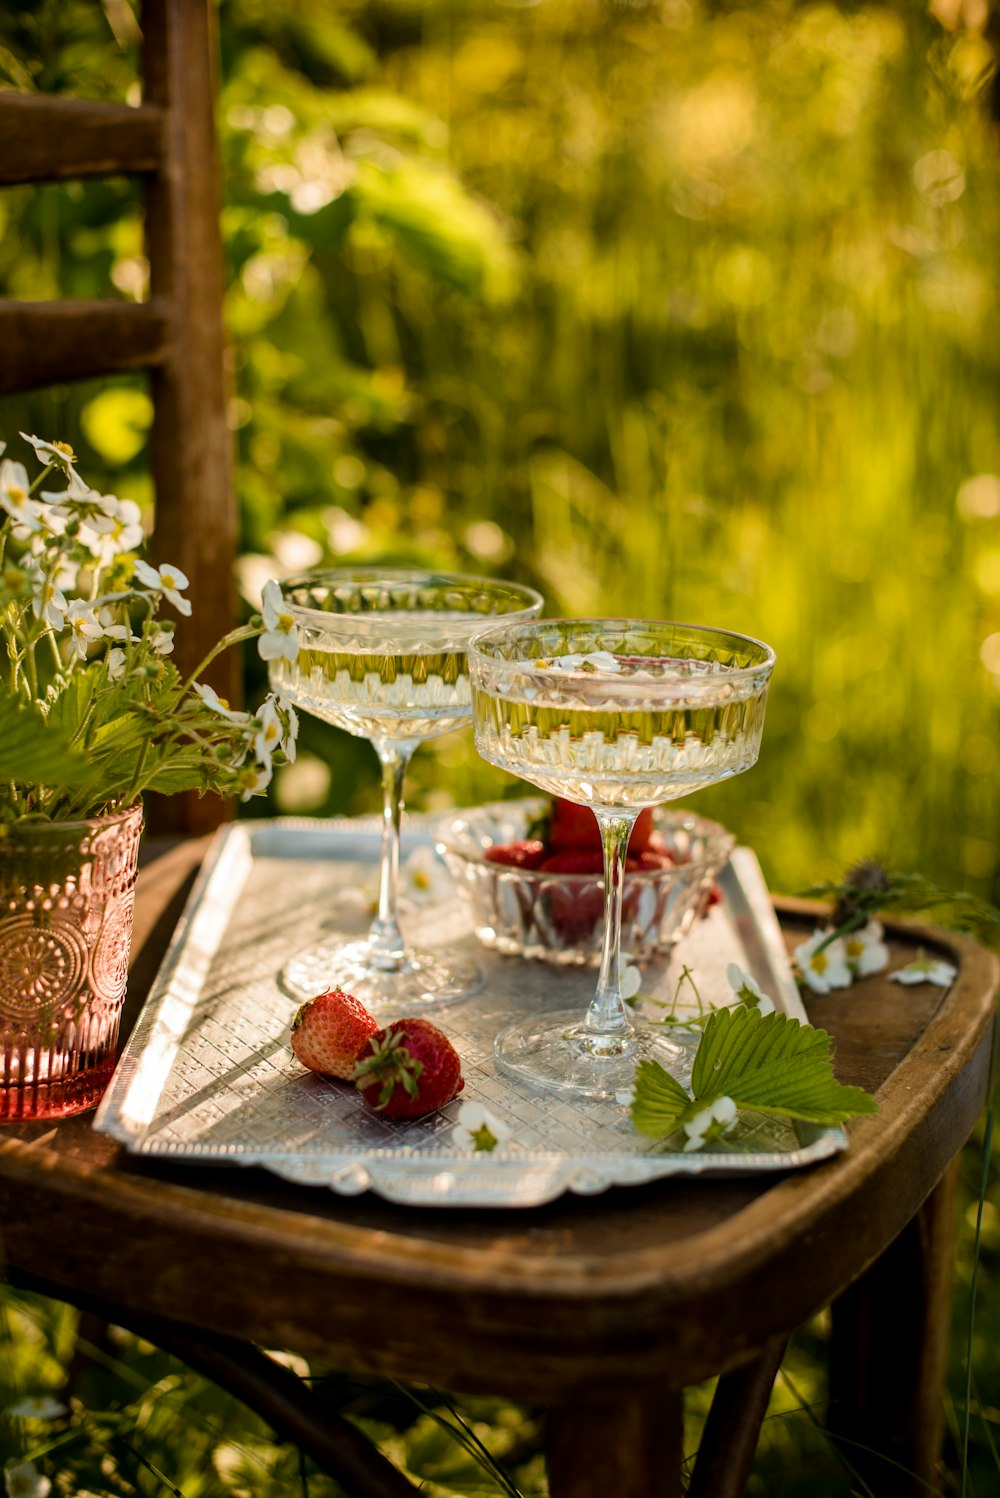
[[330, 1031], [407, 1069]]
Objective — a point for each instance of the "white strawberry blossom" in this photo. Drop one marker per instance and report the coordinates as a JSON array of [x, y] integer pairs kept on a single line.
[[24, 1480], [280, 639], [161, 640], [111, 628], [15, 498], [166, 580], [424, 878], [48, 603], [84, 628], [256, 780], [924, 969], [479, 1130], [711, 1123], [596, 661], [219, 704], [270, 732], [59, 454], [748, 990], [823, 962], [866, 950], [115, 661], [292, 731]]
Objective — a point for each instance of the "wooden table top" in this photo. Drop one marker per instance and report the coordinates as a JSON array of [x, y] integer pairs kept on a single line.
[[676, 1280]]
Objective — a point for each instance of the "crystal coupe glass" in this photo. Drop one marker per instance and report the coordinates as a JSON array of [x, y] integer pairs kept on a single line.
[[382, 655], [614, 714]]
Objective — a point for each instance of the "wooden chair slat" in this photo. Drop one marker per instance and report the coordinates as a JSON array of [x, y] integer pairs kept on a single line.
[[49, 139], [46, 343]]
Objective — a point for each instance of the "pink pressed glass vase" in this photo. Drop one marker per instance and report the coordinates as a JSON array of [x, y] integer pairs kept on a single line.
[[67, 891]]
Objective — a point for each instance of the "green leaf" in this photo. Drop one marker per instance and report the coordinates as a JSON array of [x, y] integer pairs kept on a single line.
[[767, 1063], [773, 1064], [72, 704], [659, 1101], [34, 751]]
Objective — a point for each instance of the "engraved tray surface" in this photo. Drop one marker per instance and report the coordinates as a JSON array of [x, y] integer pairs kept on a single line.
[[208, 1074]]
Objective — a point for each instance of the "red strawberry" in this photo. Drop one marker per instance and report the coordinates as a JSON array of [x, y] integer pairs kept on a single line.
[[527, 854], [573, 826], [330, 1032], [407, 1069], [574, 861]]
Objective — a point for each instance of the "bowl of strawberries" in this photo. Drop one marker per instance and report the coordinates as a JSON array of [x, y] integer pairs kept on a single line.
[[532, 875]]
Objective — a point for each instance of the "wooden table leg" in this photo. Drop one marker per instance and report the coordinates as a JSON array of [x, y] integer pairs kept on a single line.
[[889, 1353], [733, 1426], [607, 1442]]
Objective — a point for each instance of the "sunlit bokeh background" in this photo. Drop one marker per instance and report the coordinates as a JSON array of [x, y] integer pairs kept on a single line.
[[668, 307]]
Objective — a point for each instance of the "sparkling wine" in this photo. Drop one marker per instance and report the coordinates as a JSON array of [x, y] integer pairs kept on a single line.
[[402, 695], [614, 737]]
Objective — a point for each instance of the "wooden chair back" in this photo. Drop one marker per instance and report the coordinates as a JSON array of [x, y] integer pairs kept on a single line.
[[169, 140]]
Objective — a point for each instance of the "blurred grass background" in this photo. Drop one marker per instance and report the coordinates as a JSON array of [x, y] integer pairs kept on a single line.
[[669, 307]]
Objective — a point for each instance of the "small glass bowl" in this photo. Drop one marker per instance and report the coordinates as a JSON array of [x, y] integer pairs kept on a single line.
[[560, 917]]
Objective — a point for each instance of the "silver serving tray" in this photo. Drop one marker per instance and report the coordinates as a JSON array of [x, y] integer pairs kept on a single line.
[[208, 1074]]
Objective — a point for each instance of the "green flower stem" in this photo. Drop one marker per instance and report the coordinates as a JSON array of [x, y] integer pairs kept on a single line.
[[234, 637], [57, 660], [42, 477]]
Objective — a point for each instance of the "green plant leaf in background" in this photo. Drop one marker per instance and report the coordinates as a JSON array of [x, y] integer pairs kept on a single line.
[[31, 749], [769, 1063]]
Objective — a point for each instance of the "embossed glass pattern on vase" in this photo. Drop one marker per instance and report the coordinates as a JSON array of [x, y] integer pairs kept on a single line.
[[67, 891]]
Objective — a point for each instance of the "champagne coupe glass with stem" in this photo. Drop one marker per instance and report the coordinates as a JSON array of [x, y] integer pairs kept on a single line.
[[614, 714], [382, 654]]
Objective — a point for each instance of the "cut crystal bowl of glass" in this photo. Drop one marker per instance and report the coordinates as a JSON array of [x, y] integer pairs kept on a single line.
[[531, 875]]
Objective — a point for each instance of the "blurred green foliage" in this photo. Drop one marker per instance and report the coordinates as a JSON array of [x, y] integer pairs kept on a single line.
[[670, 307]]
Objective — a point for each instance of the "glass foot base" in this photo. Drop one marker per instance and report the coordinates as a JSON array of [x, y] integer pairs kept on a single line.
[[557, 1053], [423, 980]]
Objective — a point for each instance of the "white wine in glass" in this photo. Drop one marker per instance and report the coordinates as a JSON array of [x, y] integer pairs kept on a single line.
[[614, 714], [382, 654]]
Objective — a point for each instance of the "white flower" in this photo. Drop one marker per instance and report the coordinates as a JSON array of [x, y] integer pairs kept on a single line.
[[115, 661], [118, 524], [37, 1407], [255, 781], [111, 629], [281, 636], [866, 951], [597, 660], [269, 734], [166, 580], [83, 626], [292, 730], [219, 704], [25, 1481], [747, 989], [477, 1129], [48, 602], [14, 495], [711, 1123], [424, 877], [924, 969], [162, 639], [823, 963], [631, 981], [58, 453]]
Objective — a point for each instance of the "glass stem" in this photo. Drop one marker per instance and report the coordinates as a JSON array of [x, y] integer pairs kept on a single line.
[[606, 1015], [385, 937]]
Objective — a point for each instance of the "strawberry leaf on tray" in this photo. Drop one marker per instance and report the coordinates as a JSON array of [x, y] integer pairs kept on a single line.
[[765, 1063]]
